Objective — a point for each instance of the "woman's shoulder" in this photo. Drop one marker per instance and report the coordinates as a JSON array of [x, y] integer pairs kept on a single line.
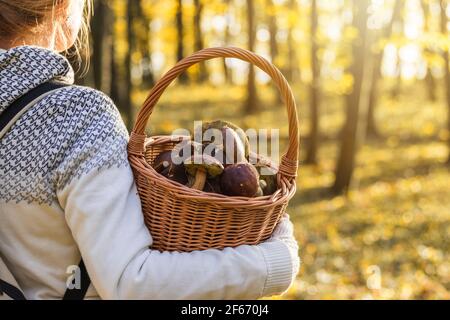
[[91, 132], [86, 97], [84, 107], [86, 114]]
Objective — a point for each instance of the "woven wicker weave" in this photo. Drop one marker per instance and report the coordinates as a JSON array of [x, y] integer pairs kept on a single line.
[[183, 219]]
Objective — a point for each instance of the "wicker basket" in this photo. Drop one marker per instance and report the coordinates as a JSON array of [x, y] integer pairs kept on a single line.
[[183, 219]]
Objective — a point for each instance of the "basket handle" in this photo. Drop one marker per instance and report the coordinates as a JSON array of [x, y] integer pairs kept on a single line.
[[289, 161]]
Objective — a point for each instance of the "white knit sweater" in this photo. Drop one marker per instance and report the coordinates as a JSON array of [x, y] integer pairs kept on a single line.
[[66, 189]]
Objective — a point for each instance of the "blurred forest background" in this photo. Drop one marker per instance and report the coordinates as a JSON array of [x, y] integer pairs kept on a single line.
[[372, 83]]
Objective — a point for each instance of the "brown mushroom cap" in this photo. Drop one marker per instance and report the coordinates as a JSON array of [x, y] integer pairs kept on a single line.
[[162, 161], [268, 178], [176, 173], [240, 179], [233, 147], [219, 124], [233, 139], [164, 165]]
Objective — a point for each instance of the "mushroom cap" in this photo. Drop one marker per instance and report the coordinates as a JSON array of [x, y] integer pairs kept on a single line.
[[259, 193], [221, 125], [162, 161], [211, 165], [240, 179], [234, 148], [262, 184], [176, 173], [165, 166], [268, 178]]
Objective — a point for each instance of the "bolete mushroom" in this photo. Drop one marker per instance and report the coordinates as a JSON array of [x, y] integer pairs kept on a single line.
[[235, 150], [234, 142], [177, 174], [260, 192], [268, 178], [185, 149], [165, 166], [213, 185], [241, 180], [162, 161], [202, 167], [261, 188]]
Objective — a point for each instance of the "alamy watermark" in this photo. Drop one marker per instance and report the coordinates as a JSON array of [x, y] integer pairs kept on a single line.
[[73, 281], [228, 146]]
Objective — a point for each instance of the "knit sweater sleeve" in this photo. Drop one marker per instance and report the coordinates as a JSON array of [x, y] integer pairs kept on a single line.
[[96, 189]]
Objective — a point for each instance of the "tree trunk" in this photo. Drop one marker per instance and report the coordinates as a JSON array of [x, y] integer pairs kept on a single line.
[[311, 156], [431, 84], [115, 92], [273, 43], [293, 72], [183, 78], [198, 39], [252, 97], [371, 128], [346, 159], [397, 88], [445, 55], [227, 36], [102, 42], [128, 107], [273, 31], [143, 42]]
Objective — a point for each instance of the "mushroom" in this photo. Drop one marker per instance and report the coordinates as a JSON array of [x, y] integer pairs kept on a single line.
[[270, 184], [241, 179], [260, 191], [165, 166], [185, 149], [213, 185], [233, 147], [268, 178], [162, 161], [233, 139], [202, 167], [261, 188], [177, 174]]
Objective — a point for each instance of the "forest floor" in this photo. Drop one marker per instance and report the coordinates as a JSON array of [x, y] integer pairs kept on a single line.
[[389, 238]]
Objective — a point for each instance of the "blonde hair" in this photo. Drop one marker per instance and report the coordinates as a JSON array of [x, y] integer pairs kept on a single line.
[[19, 17]]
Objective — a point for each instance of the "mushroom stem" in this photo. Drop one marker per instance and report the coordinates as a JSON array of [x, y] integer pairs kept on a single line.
[[200, 179]]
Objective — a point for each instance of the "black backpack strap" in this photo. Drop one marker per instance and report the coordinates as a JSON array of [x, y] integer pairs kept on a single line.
[[7, 118], [14, 109], [11, 291], [85, 282]]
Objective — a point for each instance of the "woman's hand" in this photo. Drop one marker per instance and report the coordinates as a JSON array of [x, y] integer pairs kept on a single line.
[[283, 234]]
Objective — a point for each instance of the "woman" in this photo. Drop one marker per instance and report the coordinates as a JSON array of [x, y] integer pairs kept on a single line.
[[67, 190]]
